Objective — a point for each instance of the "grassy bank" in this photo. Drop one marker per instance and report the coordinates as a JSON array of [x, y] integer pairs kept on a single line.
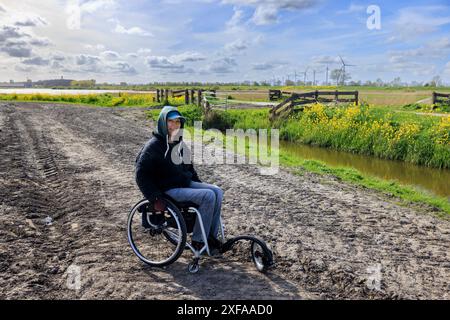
[[103, 100], [407, 194]]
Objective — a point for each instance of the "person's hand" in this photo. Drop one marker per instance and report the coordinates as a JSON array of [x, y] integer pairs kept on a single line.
[[159, 205]]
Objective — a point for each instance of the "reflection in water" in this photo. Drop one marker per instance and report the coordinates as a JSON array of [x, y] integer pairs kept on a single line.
[[433, 180]]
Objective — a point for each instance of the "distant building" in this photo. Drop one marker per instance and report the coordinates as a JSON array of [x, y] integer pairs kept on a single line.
[[13, 85], [53, 83]]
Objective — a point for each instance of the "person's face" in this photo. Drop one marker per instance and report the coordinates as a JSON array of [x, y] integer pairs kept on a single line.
[[173, 126]]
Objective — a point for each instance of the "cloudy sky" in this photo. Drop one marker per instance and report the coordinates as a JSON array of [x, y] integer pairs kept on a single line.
[[141, 41]]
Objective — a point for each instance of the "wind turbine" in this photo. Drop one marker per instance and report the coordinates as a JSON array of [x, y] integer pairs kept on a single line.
[[304, 76], [343, 69]]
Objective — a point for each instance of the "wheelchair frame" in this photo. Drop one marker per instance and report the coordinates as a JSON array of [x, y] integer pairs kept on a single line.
[[262, 256]]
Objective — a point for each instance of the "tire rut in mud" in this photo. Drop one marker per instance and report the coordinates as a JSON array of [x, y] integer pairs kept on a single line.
[[38, 201]]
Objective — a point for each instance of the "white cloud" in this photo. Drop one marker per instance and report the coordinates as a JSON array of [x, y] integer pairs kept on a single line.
[[237, 45], [36, 61], [22, 68], [132, 31], [91, 6], [353, 8], [86, 59], [86, 63], [434, 49], [110, 55], [221, 66], [188, 56], [416, 21], [236, 19], [173, 63], [94, 47], [141, 53], [15, 42], [17, 50], [266, 11], [75, 10], [265, 15], [159, 62], [265, 66], [144, 52], [240, 45], [31, 21], [324, 59], [40, 42]]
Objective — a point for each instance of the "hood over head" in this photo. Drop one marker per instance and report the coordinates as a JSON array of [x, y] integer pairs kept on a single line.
[[161, 131]]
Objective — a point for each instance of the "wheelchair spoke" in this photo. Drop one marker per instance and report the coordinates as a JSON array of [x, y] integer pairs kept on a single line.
[[159, 243]]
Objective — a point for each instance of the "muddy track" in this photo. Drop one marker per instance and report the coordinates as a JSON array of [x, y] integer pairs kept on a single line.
[[75, 166]]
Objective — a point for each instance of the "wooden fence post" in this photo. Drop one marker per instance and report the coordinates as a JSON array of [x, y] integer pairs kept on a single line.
[[192, 96], [199, 97], [316, 95], [158, 96], [166, 95], [434, 97], [336, 96], [357, 98], [186, 96]]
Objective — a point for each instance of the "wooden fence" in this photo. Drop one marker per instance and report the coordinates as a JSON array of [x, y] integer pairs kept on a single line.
[[441, 98], [274, 95], [190, 95], [296, 99]]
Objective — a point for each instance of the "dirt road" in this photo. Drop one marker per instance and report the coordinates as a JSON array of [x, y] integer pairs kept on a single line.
[[67, 184]]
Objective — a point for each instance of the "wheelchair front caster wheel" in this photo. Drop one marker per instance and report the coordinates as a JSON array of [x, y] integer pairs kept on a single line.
[[193, 267], [258, 257]]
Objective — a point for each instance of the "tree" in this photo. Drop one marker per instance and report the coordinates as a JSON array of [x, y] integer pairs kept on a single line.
[[339, 76], [335, 75], [397, 82], [379, 82], [436, 81], [289, 83]]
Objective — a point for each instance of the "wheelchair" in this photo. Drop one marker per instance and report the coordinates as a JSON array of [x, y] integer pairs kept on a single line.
[[162, 239]]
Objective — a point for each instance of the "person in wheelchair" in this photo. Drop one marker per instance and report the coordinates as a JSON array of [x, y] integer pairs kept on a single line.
[[163, 166]]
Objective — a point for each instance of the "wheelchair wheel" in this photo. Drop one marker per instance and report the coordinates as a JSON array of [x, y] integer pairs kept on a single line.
[[188, 220], [151, 244]]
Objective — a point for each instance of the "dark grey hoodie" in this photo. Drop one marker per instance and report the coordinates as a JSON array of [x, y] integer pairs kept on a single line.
[[155, 170]]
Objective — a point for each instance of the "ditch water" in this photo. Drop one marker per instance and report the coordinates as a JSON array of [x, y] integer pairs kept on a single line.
[[436, 181]]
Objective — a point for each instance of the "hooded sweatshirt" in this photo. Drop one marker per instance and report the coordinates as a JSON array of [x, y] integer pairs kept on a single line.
[[156, 172]]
